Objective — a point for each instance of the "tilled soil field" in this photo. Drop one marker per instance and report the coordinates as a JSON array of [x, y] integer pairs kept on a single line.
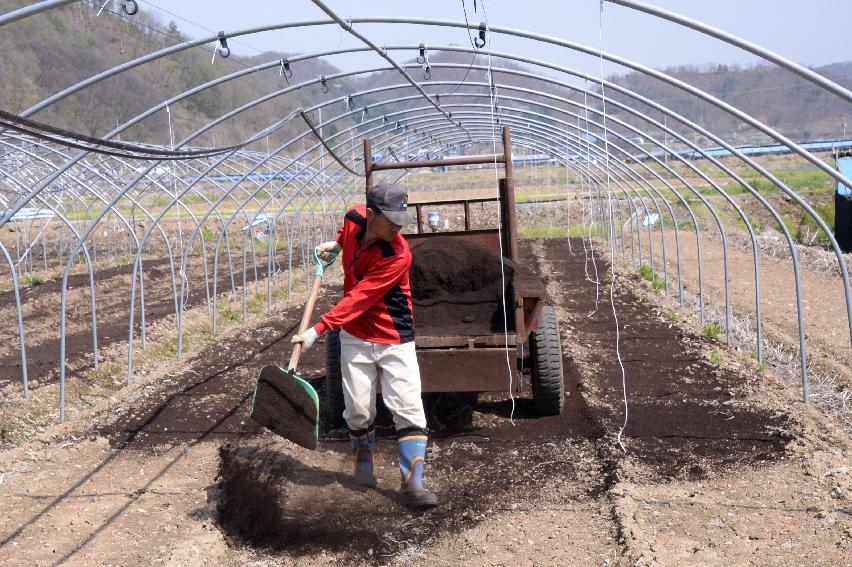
[[717, 464], [41, 313]]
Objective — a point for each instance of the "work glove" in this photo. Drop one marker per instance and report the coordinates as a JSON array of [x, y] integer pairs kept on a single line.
[[308, 338], [328, 251]]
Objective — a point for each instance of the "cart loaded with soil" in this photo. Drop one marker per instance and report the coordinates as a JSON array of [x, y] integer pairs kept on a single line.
[[480, 313]]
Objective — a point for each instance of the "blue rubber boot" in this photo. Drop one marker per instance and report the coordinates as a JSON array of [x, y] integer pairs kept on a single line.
[[412, 459], [362, 449]]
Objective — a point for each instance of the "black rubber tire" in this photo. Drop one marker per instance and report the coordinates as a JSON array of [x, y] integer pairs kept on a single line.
[[332, 408], [546, 350]]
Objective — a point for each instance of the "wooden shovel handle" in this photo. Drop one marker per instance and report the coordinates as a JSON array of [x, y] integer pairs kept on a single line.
[[306, 319]]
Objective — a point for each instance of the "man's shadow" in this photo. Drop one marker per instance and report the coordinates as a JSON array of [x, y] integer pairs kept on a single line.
[[259, 506]]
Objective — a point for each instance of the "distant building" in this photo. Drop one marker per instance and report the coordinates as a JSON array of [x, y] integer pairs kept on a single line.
[[533, 159]]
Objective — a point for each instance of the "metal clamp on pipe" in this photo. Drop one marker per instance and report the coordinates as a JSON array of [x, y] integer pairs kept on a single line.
[[285, 68], [223, 48], [129, 7], [480, 41]]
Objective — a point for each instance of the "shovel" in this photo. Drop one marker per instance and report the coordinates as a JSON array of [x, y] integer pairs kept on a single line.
[[283, 401]]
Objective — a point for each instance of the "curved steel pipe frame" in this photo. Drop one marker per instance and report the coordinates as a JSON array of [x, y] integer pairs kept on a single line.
[[546, 143]]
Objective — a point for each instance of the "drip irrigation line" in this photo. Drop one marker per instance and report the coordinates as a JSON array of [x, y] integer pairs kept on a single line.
[[333, 154], [76, 140]]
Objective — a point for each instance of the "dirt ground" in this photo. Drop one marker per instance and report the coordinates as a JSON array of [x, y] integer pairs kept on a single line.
[[825, 320], [717, 465], [41, 305]]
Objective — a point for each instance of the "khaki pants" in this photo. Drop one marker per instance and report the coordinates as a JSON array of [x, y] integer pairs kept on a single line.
[[361, 363]]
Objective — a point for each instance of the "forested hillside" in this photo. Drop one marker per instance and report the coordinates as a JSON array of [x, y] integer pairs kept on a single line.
[[776, 97], [49, 52]]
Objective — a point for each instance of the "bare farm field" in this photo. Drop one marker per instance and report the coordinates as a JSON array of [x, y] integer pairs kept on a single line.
[[719, 463]]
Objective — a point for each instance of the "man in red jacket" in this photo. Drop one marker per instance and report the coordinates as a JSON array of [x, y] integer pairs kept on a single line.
[[377, 335]]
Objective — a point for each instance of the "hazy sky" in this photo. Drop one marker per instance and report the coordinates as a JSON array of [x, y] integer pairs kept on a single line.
[[815, 32]]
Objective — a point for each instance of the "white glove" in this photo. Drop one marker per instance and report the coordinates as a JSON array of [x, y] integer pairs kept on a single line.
[[308, 338], [328, 251]]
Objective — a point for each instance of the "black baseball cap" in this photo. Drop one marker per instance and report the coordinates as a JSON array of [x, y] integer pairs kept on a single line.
[[392, 201]]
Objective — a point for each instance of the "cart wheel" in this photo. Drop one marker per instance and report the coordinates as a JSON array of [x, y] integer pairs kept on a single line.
[[333, 406], [546, 350]]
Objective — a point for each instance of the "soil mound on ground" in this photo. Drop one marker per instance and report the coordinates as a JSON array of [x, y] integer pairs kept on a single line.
[[271, 500], [457, 288]]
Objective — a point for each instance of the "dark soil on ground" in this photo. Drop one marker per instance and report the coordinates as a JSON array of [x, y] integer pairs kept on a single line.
[[684, 415], [685, 420]]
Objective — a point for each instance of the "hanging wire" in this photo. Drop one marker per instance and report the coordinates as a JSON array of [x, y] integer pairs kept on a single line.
[[590, 251], [472, 44], [196, 24], [612, 238], [333, 154], [140, 23], [492, 97]]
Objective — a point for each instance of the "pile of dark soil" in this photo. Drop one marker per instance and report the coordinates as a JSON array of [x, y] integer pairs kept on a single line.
[[457, 289]]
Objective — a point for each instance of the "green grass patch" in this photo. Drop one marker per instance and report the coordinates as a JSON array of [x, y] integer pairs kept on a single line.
[[256, 303], [543, 232], [193, 339], [120, 260], [281, 293], [711, 331], [33, 279], [649, 274], [761, 366], [546, 231], [808, 231], [714, 357], [228, 313], [162, 200], [537, 197], [108, 374]]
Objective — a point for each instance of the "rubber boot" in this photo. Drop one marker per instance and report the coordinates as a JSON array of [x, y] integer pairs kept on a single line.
[[362, 449], [412, 459]]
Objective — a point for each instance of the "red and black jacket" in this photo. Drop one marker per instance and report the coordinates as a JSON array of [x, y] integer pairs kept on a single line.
[[376, 304]]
